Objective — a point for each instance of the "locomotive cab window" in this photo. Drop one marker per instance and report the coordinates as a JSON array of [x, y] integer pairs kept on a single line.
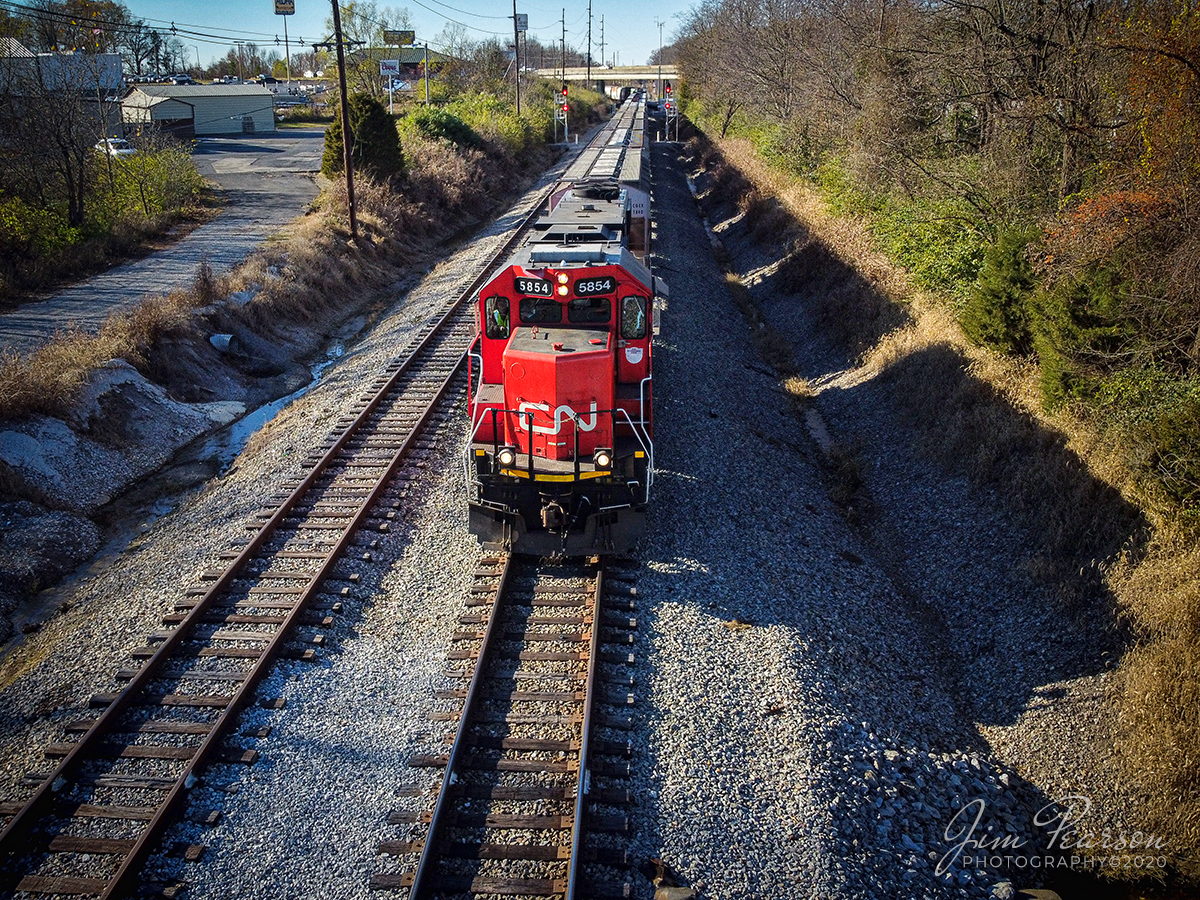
[[495, 317], [540, 311], [633, 318], [589, 310]]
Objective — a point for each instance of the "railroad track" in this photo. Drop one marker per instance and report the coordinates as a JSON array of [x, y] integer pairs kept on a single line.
[[530, 801], [91, 823]]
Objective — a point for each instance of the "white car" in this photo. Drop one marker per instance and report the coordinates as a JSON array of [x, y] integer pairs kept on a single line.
[[116, 147]]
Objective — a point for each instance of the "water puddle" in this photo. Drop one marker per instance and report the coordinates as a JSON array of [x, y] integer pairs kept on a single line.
[[207, 457]]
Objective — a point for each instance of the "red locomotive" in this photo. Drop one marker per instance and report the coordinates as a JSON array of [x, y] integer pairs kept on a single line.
[[560, 459]]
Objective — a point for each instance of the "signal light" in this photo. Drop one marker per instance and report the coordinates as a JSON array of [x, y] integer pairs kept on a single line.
[[564, 90], [566, 108], [668, 87]]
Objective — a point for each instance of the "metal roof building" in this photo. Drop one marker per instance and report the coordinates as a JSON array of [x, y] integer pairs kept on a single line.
[[186, 110]]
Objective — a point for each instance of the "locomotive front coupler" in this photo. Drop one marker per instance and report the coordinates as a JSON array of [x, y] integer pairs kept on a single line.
[[554, 518]]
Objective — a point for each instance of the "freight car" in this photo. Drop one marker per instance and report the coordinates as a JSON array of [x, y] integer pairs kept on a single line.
[[560, 458]]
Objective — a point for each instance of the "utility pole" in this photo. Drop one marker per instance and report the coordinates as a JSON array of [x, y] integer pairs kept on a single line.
[[426, 71], [660, 25], [602, 39], [564, 43], [287, 51], [589, 54], [517, 56], [347, 135]]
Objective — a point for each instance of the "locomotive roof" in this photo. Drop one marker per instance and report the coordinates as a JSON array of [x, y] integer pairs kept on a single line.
[[576, 233]]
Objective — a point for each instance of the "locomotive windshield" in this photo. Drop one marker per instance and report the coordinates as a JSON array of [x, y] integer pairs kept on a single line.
[[589, 310], [633, 318], [540, 311], [495, 317]]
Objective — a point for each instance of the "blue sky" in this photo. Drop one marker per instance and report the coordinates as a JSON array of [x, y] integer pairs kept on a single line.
[[630, 33]]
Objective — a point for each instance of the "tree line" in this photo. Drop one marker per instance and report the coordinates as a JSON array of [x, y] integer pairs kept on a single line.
[[1035, 159]]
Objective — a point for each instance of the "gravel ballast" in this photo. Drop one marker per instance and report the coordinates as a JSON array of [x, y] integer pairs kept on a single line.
[[800, 728]]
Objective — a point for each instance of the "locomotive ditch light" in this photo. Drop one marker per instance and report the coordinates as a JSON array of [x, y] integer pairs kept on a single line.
[[603, 458], [507, 456]]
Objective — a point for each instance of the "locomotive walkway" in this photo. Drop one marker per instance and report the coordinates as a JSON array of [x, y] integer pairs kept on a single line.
[[266, 181]]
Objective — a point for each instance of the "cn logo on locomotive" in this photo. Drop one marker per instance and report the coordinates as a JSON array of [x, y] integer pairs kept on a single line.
[[560, 414]]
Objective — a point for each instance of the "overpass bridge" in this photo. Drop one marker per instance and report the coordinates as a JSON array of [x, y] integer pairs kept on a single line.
[[606, 75]]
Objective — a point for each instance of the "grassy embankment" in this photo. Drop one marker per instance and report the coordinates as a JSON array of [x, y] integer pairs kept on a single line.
[[994, 425]]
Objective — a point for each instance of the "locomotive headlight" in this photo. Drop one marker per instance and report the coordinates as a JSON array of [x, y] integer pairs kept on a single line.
[[562, 278], [562, 290], [507, 456], [603, 458]]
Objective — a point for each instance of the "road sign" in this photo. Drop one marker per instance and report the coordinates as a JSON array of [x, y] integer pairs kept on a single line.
[[389, 67], [522, 22], [285, 7], [401, 85], [399, 38]]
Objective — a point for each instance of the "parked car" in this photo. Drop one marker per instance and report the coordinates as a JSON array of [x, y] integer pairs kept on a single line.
[[266, 79], [116, 147]]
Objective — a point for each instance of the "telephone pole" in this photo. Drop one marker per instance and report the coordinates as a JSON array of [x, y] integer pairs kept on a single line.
[[660, 25], [589, 52], [602, 39], [517, 57], [347, 134]]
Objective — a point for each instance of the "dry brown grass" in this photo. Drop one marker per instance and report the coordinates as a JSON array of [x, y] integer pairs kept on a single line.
[[1160, 724], [47, 380]]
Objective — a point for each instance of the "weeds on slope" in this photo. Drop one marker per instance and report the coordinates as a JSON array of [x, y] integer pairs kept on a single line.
[[1071, 483]]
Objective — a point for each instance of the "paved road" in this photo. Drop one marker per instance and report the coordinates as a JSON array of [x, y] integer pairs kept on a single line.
[[267, 180]]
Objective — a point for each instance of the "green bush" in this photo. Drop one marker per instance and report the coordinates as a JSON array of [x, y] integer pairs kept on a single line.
[[996, 314], [937, 242], [376, 145], [146, 185], [1079, 332], [28, 232], [1158, 414], [496, 120], [438, 123]]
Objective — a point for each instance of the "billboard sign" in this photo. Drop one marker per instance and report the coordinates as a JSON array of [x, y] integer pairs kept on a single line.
[[399, 38], [285, 7]]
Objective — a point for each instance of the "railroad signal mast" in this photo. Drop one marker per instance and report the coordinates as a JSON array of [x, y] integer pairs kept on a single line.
[[672, 111], [562, 107]]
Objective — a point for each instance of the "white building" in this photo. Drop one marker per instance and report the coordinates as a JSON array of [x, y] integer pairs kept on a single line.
[[187, 110]]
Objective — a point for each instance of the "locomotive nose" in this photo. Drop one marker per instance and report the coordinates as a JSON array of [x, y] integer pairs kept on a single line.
[[559, 390]]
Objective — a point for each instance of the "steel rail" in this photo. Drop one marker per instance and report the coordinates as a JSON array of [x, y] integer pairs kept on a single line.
[[166, 649], [428, 854], [136, 857], [589, 693]]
